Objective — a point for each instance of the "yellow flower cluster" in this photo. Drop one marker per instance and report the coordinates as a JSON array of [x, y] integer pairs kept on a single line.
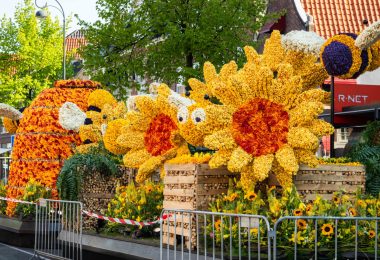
[[142, 203], [102, 109], [10, 125], [111, 134], [338, 161], [375, 50]]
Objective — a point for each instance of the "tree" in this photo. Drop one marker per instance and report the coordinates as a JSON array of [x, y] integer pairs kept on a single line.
[[167, 40], [30, 55]]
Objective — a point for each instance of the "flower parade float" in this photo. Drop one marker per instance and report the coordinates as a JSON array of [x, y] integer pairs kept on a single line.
[[40, 148], [41, 144]]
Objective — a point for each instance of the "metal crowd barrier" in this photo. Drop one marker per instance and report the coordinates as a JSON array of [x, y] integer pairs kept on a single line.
[[58, 233], [193, 234], [316, 223]]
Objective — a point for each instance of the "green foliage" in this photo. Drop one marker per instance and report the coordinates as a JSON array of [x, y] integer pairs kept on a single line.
[[142, 203], [32, 193], [367, 151], [30, 55], [70, 178], [3, 193], [371, 135], [167, 40], [289, 202]]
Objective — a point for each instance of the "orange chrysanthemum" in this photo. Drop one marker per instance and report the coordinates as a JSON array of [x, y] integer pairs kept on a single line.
[[260, 126], [157, 138]]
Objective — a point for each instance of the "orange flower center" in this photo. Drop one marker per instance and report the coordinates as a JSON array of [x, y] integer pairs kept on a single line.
[[260, 126], [157, 138]]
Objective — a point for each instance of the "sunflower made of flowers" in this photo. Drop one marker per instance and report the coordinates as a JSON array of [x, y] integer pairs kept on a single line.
[[267, 121], [151, 134]]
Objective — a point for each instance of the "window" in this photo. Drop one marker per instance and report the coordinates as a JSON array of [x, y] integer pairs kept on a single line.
[[344, 133]]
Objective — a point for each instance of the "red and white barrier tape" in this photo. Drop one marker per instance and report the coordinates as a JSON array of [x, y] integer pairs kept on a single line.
[[125, 221], [18, 201], [90, 214]]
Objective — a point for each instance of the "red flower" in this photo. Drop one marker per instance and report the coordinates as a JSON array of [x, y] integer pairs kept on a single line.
[[157, 138], [260, 126]]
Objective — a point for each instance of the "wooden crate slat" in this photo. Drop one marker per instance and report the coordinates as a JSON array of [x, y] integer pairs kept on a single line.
[[324, 187], [165, 237], [329, 177], [180, 167], [179, 192], [334, 168], [326, 179], [178, 205], [213, 180], [204, 192], [179, 179], [178, 230], [179, 220], [204, 169]]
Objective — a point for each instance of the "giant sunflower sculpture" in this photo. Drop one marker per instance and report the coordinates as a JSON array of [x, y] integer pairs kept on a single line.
[[152, 134], [267, 120]]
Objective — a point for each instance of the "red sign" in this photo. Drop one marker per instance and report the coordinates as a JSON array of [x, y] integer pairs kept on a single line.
[[349, 96]]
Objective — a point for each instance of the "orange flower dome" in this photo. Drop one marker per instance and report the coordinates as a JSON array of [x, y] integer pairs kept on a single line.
[[41, 144]]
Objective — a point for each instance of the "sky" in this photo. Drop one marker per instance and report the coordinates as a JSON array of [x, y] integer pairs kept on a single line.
[[84, 8]]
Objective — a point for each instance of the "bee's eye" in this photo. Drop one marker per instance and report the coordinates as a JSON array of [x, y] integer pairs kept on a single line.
[[198, 115], [104, 116], [183, 115]]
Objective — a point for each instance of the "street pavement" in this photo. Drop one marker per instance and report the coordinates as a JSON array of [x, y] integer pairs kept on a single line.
[[14, 253]]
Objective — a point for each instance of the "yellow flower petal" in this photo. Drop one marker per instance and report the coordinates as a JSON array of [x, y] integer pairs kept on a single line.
[[220, 158], [135, 159], [301, 137], [306, 156], [146, 105], [321, 128], [239, 159], [262, 165], [147, 168], [131, 139], [286, 158], [305, 113], [220, 140]]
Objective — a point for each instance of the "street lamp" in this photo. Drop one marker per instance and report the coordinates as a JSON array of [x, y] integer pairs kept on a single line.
[[42, 14]]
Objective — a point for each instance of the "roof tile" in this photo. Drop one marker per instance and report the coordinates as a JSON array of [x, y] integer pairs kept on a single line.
[[335, 16]]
